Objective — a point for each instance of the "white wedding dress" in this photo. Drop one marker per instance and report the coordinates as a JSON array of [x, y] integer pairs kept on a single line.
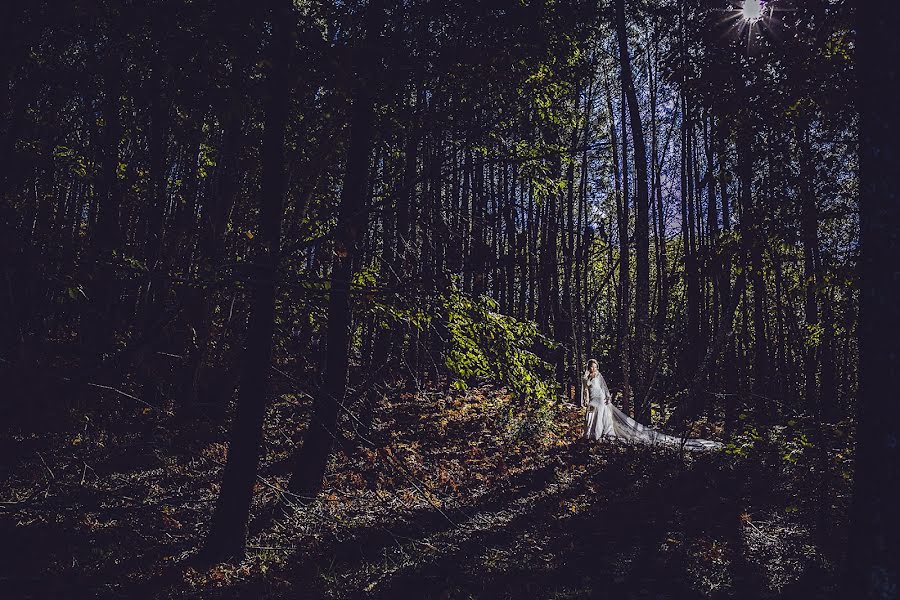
[[604, 419]]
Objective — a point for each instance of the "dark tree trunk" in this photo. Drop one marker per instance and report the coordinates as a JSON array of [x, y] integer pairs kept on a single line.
[[812, 269], [568, 306], [712, 221], [641, 225], [874, 553], [153, 293], [551, 273], [228, 531], [753, 239], [624, 288], [729, 363], [533, 238], [97, 325], [311, 459], [659, 212], [512, 251], [692, 294]]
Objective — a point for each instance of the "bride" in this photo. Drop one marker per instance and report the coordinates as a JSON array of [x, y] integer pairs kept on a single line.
[[603, 419]]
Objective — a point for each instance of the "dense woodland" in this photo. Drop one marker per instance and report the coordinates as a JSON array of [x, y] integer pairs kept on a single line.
[[273, 248]]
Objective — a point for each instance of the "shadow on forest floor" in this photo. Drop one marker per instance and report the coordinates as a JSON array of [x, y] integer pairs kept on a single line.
[[482, 514]]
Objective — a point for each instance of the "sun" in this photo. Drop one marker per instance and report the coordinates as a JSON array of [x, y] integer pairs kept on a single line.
[[753, 21], [752, 10]]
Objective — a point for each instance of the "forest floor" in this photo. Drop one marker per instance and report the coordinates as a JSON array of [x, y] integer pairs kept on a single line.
[[447, 495]]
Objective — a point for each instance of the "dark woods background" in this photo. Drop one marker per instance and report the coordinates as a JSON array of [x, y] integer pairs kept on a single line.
[[202, 200], [669, 197]]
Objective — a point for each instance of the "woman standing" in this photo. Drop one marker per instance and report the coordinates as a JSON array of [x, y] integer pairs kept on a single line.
[[603, 419], [598, 418]]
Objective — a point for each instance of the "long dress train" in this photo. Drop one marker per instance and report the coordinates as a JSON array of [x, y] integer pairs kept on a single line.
[[603, 419]]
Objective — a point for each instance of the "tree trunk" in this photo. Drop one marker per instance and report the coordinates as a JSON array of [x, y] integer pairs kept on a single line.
[[812, 270], [311, 459], [729, 363], [641, 225], [621, 193], [98, 325], [228, 530], [659, 212], [692, 304], [752, 236], [874, 553]]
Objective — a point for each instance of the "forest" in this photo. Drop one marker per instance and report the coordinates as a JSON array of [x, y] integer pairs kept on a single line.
[[297, 298]]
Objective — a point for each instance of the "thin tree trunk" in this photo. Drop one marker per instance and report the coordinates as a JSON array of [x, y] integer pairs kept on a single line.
[[622, 308], [751, 232], [812, 274], [311, 459], [641, 225], [228, 531], [689, 352], [97, 326]]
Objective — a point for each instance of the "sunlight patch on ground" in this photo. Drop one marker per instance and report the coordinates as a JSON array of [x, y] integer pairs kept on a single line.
[[784, 550]]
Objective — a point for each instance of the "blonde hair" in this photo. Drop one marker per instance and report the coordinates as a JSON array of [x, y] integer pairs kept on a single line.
[[587, 371]]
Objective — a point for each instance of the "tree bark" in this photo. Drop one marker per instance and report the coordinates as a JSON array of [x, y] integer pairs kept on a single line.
[[228, 531], [753, 239], [874, 552], [621, 193], [97, 326], [311, 459], [812, 270], [692, 296], [641, 224]]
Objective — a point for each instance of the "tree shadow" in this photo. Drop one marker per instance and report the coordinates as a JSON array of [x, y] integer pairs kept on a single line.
[[599, 529], [583, 520], [607, 547]]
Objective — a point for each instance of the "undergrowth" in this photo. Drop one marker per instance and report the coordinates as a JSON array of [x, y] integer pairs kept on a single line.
[[463, 494]]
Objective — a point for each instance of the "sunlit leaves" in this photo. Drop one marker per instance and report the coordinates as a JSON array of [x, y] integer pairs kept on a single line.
[[839, 46], [206, 161], [550, 96], [814, 333], [487, 345], [70, 160]]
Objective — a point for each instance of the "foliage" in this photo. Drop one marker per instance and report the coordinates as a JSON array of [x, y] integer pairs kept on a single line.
[[484, 344]]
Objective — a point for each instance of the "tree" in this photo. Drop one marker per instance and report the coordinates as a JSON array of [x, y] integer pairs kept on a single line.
[[641, 223], [312, 458], [228, 530], [874, 544]]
